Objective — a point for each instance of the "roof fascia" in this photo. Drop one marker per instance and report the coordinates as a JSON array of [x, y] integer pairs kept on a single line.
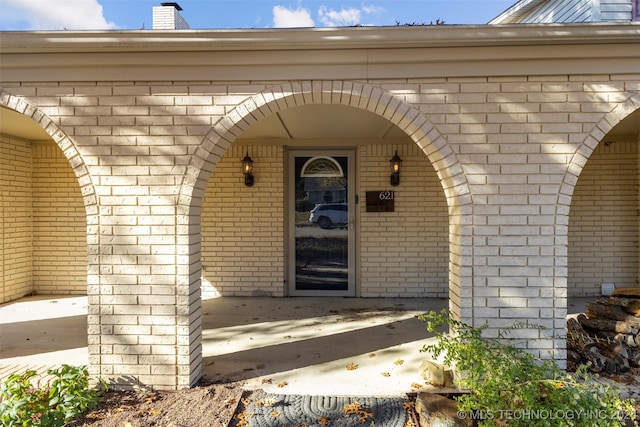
[[311, 38], [346, 53]]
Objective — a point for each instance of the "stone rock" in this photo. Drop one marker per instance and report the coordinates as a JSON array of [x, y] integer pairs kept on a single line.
[[437, 411], [436, 374]]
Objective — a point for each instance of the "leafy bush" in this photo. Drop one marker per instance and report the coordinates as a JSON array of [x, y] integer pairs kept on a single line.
[[510, 386], [66, 397]]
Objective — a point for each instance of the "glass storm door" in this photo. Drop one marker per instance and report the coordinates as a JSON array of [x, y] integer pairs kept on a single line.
[[321, 211]]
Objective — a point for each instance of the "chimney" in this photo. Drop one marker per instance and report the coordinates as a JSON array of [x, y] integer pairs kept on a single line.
[[167, 17]]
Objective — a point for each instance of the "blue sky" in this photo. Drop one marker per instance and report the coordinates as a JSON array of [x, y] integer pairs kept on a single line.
[[19, 15]]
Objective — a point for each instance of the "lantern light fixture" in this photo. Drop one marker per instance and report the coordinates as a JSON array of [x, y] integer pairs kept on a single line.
[[395, 163], [247, 170]]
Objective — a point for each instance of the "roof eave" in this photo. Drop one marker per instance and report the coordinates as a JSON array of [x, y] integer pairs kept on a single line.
[[314, 38]]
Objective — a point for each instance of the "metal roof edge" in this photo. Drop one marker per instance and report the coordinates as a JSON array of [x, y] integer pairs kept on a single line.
[[317, 38]]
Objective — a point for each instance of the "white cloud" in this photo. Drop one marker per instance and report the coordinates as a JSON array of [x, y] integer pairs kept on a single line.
[[373, 10], [291, 18], [55, 15], [342, 18], [347, 17]]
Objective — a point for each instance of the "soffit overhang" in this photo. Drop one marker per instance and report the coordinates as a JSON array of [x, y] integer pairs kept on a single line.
[[320, 53]]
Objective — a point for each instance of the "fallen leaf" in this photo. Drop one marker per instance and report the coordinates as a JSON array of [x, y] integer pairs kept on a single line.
[[282, 384], [399, 362], [386, 374], [352, 367], [275, 414], [267, 380], [352, 408], [416, 385], [324, 421], [356, 408], [151, 398], [243, 418], [365, 417], [372, 355]]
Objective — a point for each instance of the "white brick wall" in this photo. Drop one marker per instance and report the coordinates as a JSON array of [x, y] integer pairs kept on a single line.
[[16, 231], [402, 253], [243, 227], [603, 228], [507, 151], [59, 224]]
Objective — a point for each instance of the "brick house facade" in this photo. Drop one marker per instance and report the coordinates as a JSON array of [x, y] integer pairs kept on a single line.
[[519, 184]]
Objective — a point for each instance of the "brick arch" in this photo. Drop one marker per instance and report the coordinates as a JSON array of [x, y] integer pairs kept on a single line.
[[575, 167], [358, 95], [577, 163], [353, 94], [79, 167], [579, 159], [63, 141]]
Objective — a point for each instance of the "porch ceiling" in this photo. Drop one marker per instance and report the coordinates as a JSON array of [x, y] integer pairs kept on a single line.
[[16, 124], [323, 122]]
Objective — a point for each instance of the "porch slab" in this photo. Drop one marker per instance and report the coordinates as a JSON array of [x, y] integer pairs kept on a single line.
[[318, 346]]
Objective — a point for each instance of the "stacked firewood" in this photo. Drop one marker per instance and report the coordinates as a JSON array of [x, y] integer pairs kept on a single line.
[[607, 336]]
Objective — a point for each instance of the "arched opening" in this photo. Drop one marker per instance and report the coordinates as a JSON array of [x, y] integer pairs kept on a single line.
[[603, 221], [402, 252], [43, 241], [262, 128]]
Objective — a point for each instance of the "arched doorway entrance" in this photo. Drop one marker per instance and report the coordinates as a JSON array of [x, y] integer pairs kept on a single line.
[[417, 132]]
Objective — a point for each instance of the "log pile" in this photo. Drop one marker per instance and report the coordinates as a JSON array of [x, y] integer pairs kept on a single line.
[[607, 336]]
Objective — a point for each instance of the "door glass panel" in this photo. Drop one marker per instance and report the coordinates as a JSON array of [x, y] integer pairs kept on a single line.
[[321, 231]]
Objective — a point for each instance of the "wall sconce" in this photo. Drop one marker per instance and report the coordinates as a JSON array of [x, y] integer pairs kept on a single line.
[[395, 162], [247, 169]]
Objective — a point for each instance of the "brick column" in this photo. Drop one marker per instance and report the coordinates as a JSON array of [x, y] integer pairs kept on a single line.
[[139, 297]]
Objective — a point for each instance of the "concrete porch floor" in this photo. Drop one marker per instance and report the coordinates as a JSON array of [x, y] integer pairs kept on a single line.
[[281, 345]]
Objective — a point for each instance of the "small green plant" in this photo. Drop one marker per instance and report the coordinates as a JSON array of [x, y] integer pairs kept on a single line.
[[66, 397], [510, 386]]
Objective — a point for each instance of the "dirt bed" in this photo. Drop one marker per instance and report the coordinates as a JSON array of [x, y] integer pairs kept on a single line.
[[210, 405], [205, 405]]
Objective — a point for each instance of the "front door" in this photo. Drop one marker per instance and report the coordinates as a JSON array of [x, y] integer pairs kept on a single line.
[[321, 212]]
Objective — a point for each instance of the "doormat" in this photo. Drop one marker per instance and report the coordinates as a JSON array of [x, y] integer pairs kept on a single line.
[[262, 409]]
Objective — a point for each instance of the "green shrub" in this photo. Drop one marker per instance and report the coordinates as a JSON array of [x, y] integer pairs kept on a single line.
[[510, 386], [66, 397]]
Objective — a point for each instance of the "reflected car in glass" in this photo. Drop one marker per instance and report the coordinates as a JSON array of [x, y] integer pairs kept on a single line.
[[330, 215]]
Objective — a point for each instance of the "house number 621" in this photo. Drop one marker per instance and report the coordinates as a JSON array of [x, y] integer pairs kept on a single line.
[[386, 195]]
